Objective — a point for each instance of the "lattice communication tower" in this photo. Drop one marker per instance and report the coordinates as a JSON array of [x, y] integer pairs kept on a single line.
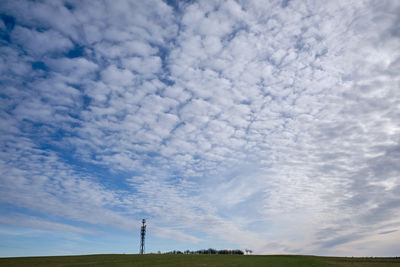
[[142, 235]]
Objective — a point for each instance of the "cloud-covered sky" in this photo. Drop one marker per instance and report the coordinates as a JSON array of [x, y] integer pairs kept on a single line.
[[267, 125]]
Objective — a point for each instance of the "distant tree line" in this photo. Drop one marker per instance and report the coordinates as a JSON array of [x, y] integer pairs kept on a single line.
[[208, 251]]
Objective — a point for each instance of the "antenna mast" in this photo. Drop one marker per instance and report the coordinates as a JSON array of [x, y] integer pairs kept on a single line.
[[142, 235]]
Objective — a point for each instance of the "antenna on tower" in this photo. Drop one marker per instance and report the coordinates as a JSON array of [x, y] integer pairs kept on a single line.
[[142, 235]]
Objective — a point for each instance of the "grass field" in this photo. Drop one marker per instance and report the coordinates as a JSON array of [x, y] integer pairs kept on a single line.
[[117, 260]]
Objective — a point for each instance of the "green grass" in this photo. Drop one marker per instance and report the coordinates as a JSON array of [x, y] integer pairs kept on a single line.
[[116, 260]]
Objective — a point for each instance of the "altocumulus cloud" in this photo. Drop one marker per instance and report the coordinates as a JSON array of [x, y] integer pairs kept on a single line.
[[270, 125]]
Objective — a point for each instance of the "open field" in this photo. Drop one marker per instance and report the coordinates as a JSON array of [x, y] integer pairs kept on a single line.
[[117, 260]]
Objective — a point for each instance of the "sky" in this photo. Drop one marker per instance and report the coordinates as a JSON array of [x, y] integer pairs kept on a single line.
[[265, 125]]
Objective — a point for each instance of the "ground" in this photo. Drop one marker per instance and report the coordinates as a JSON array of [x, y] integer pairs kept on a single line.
[[116, 260]]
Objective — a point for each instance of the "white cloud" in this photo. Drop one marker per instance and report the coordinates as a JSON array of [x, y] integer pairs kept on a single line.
[[114, 76], [37, 223], [40, 43], [145, 66]]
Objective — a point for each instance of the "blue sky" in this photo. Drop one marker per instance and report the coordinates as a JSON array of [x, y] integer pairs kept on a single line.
[[267, 125]]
